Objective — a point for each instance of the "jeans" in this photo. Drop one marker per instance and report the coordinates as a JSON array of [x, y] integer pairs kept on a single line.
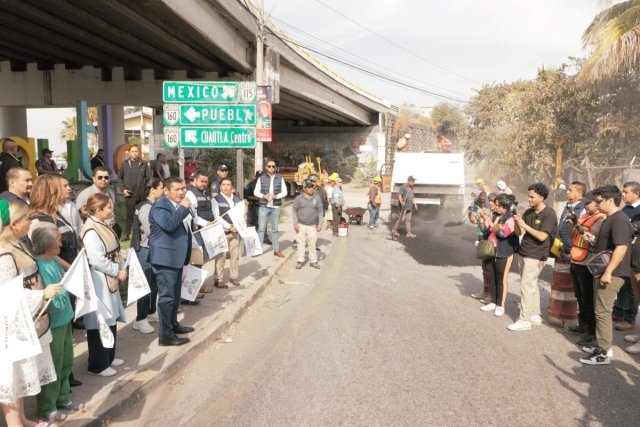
[[274, 215], [374, 214], [626, 305], [583, 290], [147, 304]]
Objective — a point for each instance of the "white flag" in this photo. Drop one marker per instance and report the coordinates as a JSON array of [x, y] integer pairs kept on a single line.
[[214, 239], [18, 337], [192, 280], [236, 214], [138, 285], [106, 336], [78, 281], [252, 243]]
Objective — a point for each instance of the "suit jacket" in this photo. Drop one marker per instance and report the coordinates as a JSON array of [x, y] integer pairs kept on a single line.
[[169, 241]]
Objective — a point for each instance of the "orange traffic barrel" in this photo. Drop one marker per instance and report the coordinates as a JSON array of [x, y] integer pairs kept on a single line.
[[563, 309]]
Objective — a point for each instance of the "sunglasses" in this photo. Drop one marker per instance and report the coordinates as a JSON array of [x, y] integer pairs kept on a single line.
[[598, 201], [271, 166], [102, 178]]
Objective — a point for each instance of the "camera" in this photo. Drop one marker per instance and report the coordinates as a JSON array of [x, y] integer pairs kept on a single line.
[[473, 208], [514, 207], [571, 216]]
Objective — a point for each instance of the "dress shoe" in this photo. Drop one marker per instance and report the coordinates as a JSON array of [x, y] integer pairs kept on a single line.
[[235, 282], [187, 302], [486, 300], [218, 284], [278, 254], [624, 326], [206, 290], [75, 383], [200, 295], [480, 295], [173, 341], [410, 234], [182, 329], [616, 318]]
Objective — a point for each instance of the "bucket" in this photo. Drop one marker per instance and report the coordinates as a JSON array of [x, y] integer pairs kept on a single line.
[[343, 230]]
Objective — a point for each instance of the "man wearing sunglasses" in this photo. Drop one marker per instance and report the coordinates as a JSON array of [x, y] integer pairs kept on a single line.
[[101, 180], [270, 189], [615, 235]]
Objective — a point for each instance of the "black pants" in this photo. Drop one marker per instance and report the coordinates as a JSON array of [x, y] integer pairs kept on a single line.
[[100, 358], [498, 271], [169, 282], [130, 205], [147, 304], [252, 215], [583, 290]]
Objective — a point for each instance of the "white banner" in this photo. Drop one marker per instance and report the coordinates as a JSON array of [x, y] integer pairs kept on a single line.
[[77, 280], [138, 285], [18, 337], [192, 280], [214, 239], [236, 214], [252, 244], [106, 336]]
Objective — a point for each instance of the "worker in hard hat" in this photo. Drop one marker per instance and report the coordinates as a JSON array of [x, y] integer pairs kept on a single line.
[[504, 188], [335, 197], [375, 200], [403, 143], [482, 187]]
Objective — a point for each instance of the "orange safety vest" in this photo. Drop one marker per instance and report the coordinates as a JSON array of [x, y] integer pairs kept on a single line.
[[580, 248]]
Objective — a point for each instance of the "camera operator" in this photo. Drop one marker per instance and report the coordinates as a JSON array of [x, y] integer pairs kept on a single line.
[[475, 214], [574, 208], [481, 201], [581, 252]]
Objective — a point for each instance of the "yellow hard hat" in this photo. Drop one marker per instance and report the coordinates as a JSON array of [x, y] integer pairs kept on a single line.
[[333, 176], [479, 181], [377, 179]]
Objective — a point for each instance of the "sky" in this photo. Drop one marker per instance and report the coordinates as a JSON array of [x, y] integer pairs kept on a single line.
[[477, 41]]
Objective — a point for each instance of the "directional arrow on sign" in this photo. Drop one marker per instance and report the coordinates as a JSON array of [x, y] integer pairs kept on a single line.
[[192, 114], [191, 136]]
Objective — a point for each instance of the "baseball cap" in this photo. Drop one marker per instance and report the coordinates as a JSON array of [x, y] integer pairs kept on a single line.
[[46, 151], [411, 178], [589, 197], [313, 178], [338, 179], [223, 168]]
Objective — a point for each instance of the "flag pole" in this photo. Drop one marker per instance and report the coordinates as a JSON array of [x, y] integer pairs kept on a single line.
[[42, 311]]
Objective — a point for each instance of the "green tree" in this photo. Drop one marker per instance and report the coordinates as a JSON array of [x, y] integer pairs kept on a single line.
[[613, 37], [447, 118]]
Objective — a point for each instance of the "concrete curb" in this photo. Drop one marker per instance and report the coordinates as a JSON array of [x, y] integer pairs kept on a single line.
[[134, 386]]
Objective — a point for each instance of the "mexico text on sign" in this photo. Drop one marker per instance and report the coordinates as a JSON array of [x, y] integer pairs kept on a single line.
[[204, 114], [209, 92], [210, 137]]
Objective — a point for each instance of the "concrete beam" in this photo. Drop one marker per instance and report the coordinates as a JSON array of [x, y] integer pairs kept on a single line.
[[310, 90], [102, 31], [280, 112], [317, 117], [245, 21], [290, 99], [222, 37]]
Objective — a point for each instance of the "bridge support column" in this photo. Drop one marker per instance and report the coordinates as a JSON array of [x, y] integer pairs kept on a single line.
[[13, 121]]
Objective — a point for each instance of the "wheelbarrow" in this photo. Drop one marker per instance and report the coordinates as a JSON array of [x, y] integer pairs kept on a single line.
[[355, 215]]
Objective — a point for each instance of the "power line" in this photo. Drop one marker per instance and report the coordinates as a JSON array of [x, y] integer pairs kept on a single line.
[[397, 45], [364, 59]]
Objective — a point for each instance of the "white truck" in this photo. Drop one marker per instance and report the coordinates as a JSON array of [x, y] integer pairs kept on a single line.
[[439, 181]]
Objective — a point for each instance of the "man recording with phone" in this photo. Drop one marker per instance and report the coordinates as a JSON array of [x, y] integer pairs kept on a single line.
[[574, 208]]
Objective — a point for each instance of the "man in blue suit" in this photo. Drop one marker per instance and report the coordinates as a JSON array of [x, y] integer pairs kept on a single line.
[[170, 250]]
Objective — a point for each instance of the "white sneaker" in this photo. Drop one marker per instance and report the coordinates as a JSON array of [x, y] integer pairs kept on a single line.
[[634, 349], [153, 318], [109, 372], [536, 320], [597, 359], [329, 231], [632, 338], [489, 307], [520, 325], [117, 362], [499, 311], [143, 326], [592, 349]]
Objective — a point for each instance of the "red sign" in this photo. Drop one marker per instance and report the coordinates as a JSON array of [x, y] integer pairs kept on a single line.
[[264, 116]]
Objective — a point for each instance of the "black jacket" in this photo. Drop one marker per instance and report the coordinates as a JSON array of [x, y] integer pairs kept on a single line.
[[96, 162], [7, 161], [124, 175]]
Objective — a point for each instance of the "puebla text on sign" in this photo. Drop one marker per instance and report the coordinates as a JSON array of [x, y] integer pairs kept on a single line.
[[209, 92], [202, 115]]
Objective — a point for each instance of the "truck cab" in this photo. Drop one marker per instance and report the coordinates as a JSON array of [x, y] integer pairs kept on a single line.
[[439, 180]]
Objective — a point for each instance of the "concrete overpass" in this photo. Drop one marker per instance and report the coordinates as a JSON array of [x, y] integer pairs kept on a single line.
[[54, 53]]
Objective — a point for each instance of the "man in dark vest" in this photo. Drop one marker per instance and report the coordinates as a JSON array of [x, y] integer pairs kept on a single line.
[[223, 202], [270, 189], [201, 210]]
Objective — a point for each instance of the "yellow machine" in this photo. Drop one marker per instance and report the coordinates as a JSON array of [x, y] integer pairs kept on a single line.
[[295, 179]]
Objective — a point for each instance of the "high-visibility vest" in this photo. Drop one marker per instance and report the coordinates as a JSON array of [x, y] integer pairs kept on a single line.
[[580, 249]]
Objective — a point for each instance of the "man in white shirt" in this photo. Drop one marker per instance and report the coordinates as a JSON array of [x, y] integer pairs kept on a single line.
[[222, 203], [270, 189]]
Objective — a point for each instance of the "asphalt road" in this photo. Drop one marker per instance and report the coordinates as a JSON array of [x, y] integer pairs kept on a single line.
[[387, 335]]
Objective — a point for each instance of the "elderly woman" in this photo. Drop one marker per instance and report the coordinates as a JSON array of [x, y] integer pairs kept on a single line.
[[24, 377], [47, 196], [140, 243], [103, 252], [46, 241]]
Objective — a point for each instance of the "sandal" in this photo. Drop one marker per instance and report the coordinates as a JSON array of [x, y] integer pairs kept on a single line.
[[54, 416], [72, 406]]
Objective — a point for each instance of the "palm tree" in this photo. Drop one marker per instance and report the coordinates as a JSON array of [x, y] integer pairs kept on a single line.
[[69, 130], [614, 36]]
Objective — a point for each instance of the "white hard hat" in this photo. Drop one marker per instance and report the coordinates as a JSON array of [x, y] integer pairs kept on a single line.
[[501, 185], [407, 135]]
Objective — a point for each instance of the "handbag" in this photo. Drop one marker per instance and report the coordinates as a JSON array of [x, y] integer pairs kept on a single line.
[[599, 263], [485, 250]]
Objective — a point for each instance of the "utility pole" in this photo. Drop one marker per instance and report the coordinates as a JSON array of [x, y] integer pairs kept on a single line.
[[260, 36]]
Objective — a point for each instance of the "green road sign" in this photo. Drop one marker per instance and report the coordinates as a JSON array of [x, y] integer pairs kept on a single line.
[[209, 137], [209, 114], [209, 92]]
